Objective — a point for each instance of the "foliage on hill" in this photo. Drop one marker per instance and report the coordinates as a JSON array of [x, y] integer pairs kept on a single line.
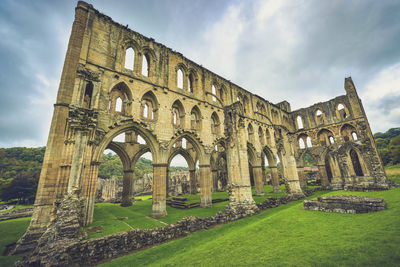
[[19, 172], [388, 145]]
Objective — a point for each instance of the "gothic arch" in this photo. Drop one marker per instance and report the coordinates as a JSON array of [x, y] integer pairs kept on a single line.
[[196, 144], [184, 153], [122, 154]]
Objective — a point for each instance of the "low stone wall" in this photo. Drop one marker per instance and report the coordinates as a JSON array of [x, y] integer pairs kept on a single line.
[[15, 214], [346, 204], [92, 251]]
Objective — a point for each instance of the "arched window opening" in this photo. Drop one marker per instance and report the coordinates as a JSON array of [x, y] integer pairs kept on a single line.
[[331, 140], [129, 58], [319, 117], [347, 132], [299, 122], [119, 138], [214, 92], [328, 169], [178, 114], [140, 140], [308, 141], [214, 123], [356, 163], [250, 132], [222, 94], [149, 106], [342, 111], [118, 105], [180, 79], [301, 143], [145, 65], [87, 98], [216, 148], [354, 135], [175, 114], [324, 137], [190, 83], [119, 101], [195, 119], [146, 111], [184, 143]]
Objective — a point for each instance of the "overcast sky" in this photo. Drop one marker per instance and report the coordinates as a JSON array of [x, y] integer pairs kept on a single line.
[[299, 51]]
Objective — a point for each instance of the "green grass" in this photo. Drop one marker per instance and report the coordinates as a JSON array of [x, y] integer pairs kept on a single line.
[[106, 214], [288, 236], [282, 236], [10, 232]]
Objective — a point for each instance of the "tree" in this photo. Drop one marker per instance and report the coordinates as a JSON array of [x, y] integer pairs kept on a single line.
[[23, 188]]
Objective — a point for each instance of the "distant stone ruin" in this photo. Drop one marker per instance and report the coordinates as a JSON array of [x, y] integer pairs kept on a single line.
[[110, 190], [346, 204]]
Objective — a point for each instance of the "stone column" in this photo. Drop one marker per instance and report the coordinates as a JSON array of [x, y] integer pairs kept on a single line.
[[292, 177], [324, 175], [127, 188], [275, 179], [214, 180], [75, 179], [192, 179], [264, 175], [302, 178], [205, 186], [258, 180], [159, 190]]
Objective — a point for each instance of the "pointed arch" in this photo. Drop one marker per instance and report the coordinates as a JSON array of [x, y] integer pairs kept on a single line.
[[215, 123], [325, 137], [341, 111], [347, 131], [250, 133], [149, 106], [299, 120], [195, 119], [129, 61], [146, 65], [122, 94], [179, 79], [178, 114]]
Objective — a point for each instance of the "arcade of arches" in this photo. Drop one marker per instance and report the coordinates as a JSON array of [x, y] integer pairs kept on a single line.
[[117, 81]]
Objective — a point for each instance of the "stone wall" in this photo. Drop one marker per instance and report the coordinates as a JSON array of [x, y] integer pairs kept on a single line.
[[92, 251], [346, 204], [109, 190]]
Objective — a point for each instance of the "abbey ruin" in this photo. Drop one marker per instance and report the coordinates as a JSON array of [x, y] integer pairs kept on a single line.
[[116, 80]]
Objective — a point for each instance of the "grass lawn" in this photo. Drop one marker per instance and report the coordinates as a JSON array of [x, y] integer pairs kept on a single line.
[[10, 232], [288, 236], [106, 214]]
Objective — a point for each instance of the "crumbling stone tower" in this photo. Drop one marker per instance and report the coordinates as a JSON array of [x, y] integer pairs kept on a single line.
[[118, 81]]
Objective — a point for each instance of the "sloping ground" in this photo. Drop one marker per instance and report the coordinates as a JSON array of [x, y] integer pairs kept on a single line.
[[288, 235]]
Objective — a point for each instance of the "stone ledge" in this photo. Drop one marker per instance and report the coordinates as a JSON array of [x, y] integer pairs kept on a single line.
[[346, 204]]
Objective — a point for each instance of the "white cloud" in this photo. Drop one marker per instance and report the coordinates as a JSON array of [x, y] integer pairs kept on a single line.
[[380, 99]]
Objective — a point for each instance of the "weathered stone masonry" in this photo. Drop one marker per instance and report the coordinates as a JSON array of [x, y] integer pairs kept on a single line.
[[179, 107]]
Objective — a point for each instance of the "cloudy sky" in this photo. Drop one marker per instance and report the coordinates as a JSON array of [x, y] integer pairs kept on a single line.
[[299, 51]]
